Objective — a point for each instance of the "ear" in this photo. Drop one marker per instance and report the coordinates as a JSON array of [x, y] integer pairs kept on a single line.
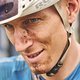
[[73, 7]]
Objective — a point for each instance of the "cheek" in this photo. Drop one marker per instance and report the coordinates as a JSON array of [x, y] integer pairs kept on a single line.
[[43, 35]]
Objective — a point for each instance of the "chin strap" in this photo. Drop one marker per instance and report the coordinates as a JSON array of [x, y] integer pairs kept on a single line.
[[59, 64]]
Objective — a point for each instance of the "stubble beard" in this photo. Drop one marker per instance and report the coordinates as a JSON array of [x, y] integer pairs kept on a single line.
[[41, 68]]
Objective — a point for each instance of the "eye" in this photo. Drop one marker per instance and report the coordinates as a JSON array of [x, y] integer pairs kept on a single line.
[[9, 27], [32, 21]]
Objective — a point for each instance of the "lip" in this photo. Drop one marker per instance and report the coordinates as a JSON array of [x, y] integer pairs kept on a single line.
[[35, 56]]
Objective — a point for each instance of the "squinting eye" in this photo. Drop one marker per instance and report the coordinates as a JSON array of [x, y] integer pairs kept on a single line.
[[34, 20], [9, 27], [31, 21]]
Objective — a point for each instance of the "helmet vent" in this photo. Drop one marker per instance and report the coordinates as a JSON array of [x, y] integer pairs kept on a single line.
[[29, 0], [23, 6]]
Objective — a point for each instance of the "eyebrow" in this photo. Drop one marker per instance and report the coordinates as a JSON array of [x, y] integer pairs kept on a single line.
[[37, 14]]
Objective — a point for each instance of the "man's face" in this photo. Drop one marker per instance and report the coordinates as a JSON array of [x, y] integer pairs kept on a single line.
[[40, 38]]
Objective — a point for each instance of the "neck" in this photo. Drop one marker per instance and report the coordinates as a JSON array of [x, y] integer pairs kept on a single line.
[[70, 62]]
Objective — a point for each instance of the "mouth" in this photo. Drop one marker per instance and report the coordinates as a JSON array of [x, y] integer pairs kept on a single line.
[[35, 54]]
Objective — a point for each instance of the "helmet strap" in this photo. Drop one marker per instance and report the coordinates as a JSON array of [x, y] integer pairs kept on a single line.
[[59, 64]]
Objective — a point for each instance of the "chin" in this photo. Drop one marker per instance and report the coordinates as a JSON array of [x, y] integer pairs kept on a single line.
[[40, 69]]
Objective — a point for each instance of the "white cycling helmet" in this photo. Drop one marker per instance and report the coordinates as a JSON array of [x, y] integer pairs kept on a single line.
[[12, 9]]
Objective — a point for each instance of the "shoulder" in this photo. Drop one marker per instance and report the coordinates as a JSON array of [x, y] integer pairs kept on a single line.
[[13, 62], [75, 75], [14, 68]]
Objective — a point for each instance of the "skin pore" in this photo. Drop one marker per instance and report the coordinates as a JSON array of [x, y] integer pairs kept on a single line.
[[40, 38]]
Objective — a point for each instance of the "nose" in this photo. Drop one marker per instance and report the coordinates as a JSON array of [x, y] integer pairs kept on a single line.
[[22, 40]]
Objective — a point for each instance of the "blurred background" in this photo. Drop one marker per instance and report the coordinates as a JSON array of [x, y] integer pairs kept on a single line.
[[7, 50]]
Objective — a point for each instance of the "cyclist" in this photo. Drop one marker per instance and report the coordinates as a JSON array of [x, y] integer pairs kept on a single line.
[[41, 32]]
